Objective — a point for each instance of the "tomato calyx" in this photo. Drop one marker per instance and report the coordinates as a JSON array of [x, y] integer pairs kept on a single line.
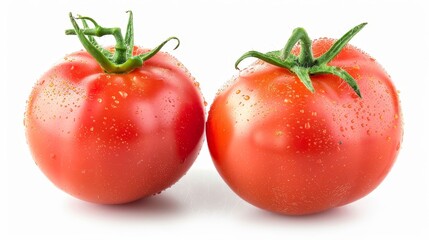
[[122, 59], [305, 64]]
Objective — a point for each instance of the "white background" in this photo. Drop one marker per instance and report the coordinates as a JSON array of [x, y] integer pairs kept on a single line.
[[213, 35]]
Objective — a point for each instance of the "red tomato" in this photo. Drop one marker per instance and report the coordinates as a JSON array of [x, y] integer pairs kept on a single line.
[[115, 138], [288, 150]]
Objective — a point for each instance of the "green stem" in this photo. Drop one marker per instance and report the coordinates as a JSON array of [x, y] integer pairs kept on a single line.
[[122, 60], [305, 64]]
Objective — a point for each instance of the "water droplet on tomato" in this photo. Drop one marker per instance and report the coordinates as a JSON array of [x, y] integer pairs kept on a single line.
[[123, 94], [279, 133], [307, 125]]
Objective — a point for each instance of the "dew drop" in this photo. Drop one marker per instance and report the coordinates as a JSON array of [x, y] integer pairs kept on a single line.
[[307, 125], [123, 94]]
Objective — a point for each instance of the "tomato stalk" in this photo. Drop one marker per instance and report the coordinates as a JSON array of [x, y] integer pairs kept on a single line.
[[122, 59], [305, 64]]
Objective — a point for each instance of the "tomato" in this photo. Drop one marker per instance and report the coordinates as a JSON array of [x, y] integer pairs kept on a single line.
[[115, 137], [285, 149]]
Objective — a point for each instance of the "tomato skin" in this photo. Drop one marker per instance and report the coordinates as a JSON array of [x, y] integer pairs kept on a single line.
[[115, 138], [287, 150]]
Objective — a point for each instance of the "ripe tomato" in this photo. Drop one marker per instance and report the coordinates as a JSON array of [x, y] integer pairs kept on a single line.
[[288, 150], [114, 138]]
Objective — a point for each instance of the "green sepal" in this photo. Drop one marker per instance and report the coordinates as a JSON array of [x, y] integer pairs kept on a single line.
[[122, 59], [305, 64]]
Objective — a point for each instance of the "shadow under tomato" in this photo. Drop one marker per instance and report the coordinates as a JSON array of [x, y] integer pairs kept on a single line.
[[199, 192], [156, 207], [340, 216]]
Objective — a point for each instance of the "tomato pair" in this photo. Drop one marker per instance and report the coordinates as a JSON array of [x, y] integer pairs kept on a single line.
[[310, 127]]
